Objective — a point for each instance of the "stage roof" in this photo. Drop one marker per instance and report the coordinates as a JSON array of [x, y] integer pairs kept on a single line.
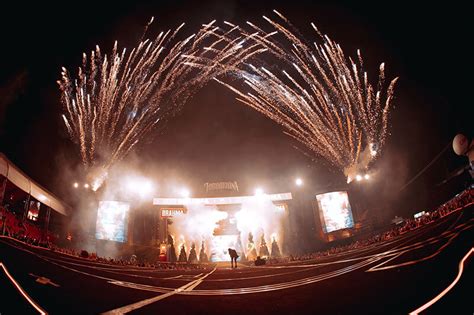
[[219, 200], [23, 182]]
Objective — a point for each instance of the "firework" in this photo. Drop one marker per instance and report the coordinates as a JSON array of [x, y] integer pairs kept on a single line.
[[323, 99], [116, 100]]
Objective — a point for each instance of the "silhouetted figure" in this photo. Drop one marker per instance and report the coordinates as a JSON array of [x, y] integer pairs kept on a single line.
[[172, 251], [251, 251], [183, 257], [263, 252], [192, 258], [275, 249], [233, 257], [202, 254]]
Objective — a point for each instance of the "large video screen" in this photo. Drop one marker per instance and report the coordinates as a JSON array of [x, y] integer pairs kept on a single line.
[[335, 211], [112, 221]]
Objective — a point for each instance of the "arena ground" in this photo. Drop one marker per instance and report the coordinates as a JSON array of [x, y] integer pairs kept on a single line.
[[396, 276]]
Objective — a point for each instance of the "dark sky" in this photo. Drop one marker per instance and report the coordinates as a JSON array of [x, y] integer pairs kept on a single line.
[[216, 138]]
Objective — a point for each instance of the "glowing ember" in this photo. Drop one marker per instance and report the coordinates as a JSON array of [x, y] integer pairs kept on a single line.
[[117, 99], [322, 98]]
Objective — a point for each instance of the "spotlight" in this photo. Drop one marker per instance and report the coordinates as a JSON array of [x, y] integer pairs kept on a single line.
[[367, 176], [299, 182], [75, 185], [185, 193], [274, 237], [140, 186], [258, 192], [86, 186], [358, 177]]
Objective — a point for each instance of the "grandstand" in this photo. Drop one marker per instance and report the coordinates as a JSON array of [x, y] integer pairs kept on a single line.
[[28, 211]]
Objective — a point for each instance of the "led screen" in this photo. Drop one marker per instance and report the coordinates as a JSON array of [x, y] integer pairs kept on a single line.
[[33, 211], [335, 211], [112, 221]]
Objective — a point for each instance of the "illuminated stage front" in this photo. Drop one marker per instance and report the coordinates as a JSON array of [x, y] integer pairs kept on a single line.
[[244, 223], [219, 200]]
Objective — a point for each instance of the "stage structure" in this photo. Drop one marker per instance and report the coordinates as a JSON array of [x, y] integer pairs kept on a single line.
[[223, 220]]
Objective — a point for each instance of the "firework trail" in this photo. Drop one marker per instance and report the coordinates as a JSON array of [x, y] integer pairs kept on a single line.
[[324, 99], [116, 100]]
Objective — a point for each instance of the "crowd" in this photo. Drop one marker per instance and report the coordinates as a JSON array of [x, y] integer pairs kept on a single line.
[[131, 261], [27, 232], [12, 226], [23, 230], [462, 199], [458, 202]]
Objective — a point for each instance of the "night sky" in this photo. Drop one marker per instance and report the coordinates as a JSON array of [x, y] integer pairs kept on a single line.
[[215, 138]]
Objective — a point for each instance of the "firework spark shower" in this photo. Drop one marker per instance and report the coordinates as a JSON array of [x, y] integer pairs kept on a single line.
[[322, 98], [116, 100]]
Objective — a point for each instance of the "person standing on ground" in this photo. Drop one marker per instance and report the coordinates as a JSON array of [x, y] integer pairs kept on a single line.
[[233, 257]]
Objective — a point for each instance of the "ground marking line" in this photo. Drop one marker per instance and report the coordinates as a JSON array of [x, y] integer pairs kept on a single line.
[[191, 287], [140, 304], [411, 262], [108, 270], [443, 293], [262, 288], [23, 292], [44, 280], [52, 261]]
